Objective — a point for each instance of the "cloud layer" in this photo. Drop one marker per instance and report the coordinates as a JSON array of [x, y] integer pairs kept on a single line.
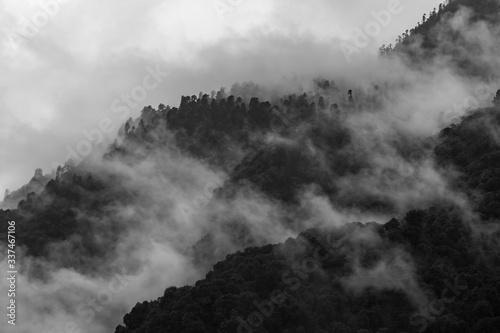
[[63, 78]]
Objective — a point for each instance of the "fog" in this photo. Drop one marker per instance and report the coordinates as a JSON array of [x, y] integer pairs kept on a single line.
[[63, 78], [67, 77]]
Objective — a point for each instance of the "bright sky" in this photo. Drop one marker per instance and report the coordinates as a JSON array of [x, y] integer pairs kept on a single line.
[[61, 72]]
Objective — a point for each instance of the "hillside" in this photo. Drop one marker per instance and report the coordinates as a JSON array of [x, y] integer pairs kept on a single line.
[[358, 278], [447, 35], [340, 205], [440, 242], [35, 185], [79, 211]]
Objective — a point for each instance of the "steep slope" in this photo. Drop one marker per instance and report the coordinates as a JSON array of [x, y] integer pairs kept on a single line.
[[448, 35], [373, 278], [436, 271], [450, 249], [257, 146], [279, 150], [81, 212], [472, 147], [35, 185]]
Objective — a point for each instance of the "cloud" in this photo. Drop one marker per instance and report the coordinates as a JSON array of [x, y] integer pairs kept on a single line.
[[63, 79]]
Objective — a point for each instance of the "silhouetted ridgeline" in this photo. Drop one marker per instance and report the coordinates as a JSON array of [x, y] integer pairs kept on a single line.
[[36, 185], [353, 279], [449, 32]]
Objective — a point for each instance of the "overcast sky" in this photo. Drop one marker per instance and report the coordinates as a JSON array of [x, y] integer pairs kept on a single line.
[[63, 73]]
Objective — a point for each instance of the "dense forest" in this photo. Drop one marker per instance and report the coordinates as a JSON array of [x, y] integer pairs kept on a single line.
[[439, 35], [426, 259], [445, 246], [338, 281]]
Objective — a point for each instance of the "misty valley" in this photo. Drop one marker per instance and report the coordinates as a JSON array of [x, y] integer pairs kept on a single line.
[[359, 199]]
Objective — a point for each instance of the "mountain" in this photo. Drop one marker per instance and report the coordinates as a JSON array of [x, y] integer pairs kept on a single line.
[[338, 206], [224, 133], [35, 185], [356, 278], [448, 35], [282, 151], [472, 148], [358, 288], [363, 285]]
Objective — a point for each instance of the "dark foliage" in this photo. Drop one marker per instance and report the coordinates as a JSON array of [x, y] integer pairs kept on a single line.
[[434, 37], [35, 185], [434, 257], [472, 148], [300, 286]]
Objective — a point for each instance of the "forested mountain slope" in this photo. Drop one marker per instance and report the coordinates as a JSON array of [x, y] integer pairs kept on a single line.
[[448, 35], [79, 212], [440, 246], [217, 183], [36, 185]]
